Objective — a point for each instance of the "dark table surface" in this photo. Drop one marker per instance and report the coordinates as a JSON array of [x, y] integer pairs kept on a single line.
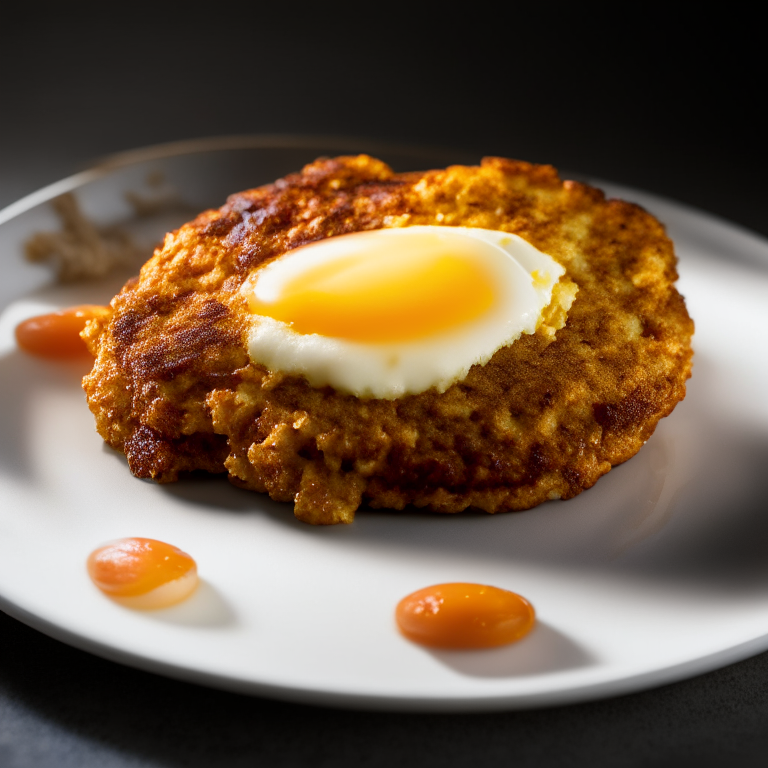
[[669, 106]]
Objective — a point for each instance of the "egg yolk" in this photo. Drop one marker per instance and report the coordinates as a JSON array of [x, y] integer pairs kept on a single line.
[[58, 334], [464, 616], [143, 573], [390, 290]]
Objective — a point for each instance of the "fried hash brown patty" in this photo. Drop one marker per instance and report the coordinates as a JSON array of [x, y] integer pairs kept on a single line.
[[174, 389]]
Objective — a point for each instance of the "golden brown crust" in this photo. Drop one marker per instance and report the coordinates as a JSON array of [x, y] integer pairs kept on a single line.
[[174, 389]]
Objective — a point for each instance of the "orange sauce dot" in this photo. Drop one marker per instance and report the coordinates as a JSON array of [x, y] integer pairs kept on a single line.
[[464, 616], [143, 573], [57, 334]]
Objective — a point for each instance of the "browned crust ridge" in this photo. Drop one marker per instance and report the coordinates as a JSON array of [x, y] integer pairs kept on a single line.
[[174, 389]]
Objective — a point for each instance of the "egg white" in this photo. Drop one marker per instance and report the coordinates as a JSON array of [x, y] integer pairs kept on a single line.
[[523, 276]]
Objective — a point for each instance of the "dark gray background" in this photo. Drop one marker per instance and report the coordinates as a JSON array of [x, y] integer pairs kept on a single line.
[[635, 95]]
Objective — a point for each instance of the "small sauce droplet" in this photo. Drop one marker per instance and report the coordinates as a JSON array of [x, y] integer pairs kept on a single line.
[[464, 616], [57, 334], [143, 573]]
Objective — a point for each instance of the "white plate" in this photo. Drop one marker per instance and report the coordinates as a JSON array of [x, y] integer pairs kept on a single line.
[[657, 573]]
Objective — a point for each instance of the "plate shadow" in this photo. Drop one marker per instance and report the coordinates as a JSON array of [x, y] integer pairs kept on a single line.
[[544, 650], [205, 609]]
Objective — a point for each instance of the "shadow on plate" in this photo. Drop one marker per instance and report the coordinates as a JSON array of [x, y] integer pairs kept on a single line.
[[214, 492], [205, 609], [544, 650]]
